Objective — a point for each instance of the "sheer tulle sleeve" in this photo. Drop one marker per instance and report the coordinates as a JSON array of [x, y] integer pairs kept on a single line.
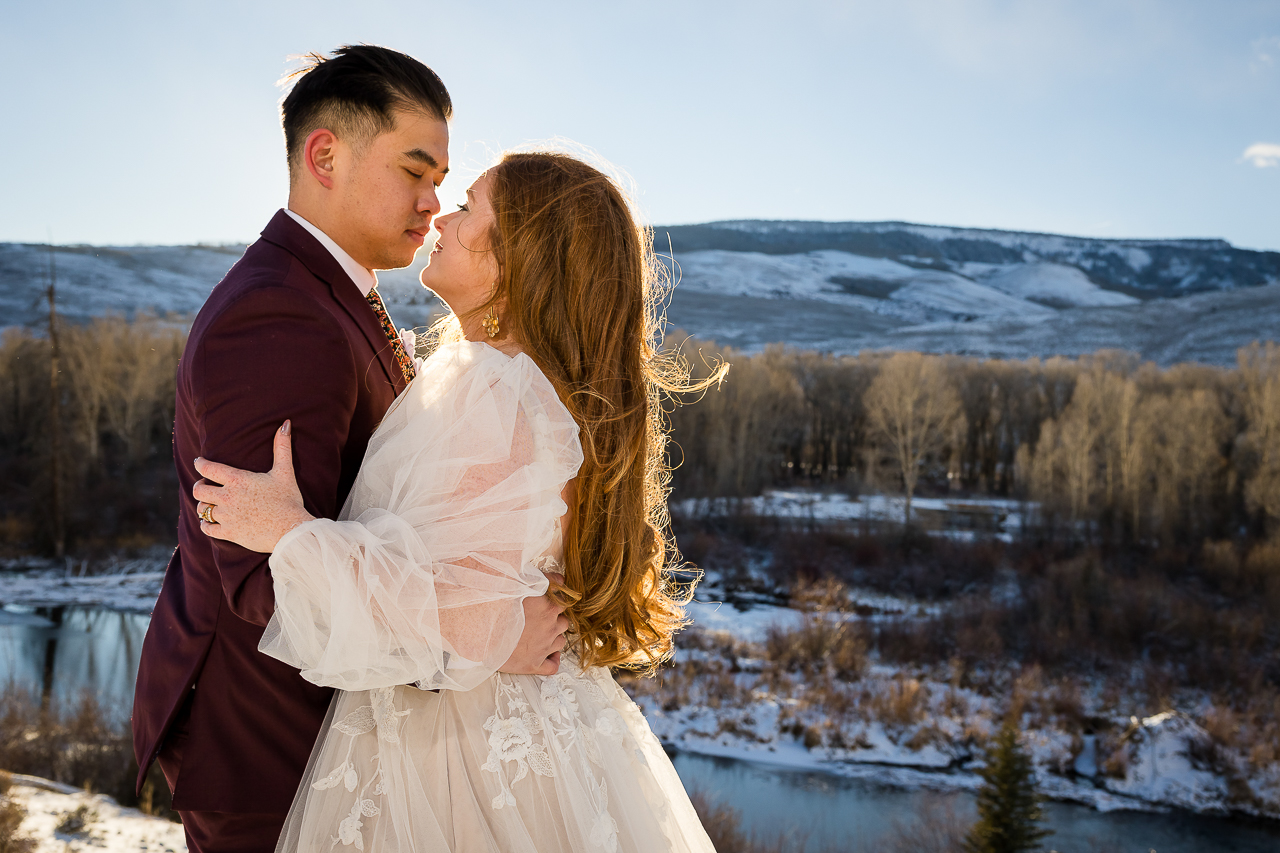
[[421, 580]]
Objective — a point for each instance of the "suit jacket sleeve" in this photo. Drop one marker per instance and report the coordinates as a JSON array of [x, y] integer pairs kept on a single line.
[[273, 354]]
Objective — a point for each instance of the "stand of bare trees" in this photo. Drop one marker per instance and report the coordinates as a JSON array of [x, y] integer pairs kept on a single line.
[[114, 419], [1108, 449], [913, 409]]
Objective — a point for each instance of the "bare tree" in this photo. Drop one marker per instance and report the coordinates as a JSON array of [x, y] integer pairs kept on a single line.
[[912, 406], [1260, 380]]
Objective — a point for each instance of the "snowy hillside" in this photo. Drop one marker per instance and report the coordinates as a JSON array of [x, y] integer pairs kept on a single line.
[[96, 280], [1149, 267], [840, 287]]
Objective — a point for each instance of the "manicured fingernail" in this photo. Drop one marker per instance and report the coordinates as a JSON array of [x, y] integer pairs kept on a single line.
[[284, 428]]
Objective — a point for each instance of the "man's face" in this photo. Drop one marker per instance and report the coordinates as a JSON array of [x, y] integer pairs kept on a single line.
[[385, 195]]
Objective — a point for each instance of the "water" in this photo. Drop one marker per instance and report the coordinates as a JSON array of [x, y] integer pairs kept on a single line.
[[829, 813], [60, 652]]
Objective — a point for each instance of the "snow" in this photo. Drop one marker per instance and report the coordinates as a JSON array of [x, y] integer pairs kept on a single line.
[[927, 750], [909, 293], [1160, 768], [98, 280], [784, 276], [1057, 285], [932, 747], [134, 593], [751, 625], [1029, 295], [997, 516], [945, 293], [113, 830]]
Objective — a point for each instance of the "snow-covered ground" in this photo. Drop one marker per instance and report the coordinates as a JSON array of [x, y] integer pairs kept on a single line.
[[1051, 284], [878, 285], [127, 585], [997, 517], [918, 730], [103, 826], [904, 726]]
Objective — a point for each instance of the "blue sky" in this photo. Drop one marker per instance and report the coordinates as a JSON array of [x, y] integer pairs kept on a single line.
[[156, 122]]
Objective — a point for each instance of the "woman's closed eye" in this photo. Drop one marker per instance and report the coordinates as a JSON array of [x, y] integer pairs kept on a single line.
[[462, 207]]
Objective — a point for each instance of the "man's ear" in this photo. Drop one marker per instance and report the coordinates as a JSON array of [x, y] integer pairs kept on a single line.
[[318, 155]]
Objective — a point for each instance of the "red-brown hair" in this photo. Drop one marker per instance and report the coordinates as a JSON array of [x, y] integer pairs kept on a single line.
[[580, 290]]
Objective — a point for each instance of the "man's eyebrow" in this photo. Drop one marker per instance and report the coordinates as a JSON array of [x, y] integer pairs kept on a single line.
[[423, 157]]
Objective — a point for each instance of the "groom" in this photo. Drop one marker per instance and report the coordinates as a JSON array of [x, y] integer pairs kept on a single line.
[[296, 330]]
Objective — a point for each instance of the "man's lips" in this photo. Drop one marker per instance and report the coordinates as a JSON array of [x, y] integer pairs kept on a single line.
[[419, 237]]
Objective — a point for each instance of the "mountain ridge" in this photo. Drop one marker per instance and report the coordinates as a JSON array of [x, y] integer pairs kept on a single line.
[[839, 287], [1152, 267]]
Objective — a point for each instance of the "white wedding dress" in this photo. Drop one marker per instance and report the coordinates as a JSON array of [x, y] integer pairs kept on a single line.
[[453, 519]]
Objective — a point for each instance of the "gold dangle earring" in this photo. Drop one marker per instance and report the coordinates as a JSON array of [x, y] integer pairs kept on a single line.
[[490, 323]]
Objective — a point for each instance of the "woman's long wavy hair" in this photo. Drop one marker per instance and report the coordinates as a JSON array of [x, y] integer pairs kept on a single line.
[[581, 291]]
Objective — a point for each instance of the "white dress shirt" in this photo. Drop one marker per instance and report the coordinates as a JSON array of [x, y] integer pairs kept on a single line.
[[363, 278]]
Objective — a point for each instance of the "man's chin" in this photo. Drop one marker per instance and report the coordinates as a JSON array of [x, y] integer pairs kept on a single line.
[[396, 260]]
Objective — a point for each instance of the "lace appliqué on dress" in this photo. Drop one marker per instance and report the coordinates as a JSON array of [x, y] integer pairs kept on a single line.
[[380, 715], [565, 734]]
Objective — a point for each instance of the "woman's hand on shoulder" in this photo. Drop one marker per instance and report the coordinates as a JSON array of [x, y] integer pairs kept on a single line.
[[249, 509]]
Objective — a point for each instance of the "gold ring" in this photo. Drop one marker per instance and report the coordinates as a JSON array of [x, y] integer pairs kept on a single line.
[[206, 514]]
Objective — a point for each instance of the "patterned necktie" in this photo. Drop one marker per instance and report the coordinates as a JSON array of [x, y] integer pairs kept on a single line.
[[397, 345]]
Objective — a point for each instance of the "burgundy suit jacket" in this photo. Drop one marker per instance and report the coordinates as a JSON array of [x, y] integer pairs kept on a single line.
[[286, 334]]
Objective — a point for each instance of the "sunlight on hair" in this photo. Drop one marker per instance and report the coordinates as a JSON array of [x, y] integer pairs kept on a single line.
[[584, 296]]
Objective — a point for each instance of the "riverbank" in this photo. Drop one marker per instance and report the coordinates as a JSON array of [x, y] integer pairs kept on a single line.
[[798, 688], [63, 819], [129, 585], [731, 692]]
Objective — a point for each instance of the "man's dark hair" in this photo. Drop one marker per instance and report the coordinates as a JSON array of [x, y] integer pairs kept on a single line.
[[355, 92]]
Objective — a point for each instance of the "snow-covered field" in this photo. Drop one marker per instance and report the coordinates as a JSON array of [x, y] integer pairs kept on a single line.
[[877, 285], [839, 287], [908, 726], [961, 518], [914, 728], [1205, 327], [920, 730], [102, 825], [129, 585]]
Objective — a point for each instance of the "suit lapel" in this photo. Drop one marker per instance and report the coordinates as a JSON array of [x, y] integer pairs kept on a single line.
[[292, 237]]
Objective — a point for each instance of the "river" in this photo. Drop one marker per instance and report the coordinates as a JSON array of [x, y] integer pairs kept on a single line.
[[61, 652]]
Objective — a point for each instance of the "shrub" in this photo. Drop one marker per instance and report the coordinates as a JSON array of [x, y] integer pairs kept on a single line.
[[12, 814], [83, 746]]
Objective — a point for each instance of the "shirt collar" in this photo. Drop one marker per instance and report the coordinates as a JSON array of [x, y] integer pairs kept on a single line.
[[364, 279]]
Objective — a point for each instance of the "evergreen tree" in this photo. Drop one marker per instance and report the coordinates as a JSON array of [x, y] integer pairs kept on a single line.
[[1009, 812]]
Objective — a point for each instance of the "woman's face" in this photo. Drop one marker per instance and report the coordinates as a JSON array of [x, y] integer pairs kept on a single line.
[[462, 269]]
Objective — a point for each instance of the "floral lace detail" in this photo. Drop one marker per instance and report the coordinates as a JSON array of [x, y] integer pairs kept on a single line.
[[565, 734], [547, 563], [511, 739], [380, 715]]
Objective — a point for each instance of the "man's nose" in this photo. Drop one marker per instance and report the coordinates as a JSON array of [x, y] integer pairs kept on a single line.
[[429, 202]]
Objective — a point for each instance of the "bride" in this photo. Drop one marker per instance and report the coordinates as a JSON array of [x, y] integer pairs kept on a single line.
[[530, 443]]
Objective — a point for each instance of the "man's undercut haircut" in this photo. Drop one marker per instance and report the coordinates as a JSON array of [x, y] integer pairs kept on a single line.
[[355, 93]]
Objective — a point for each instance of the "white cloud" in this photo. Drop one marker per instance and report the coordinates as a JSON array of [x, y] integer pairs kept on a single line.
[[1266, 52], [1262, 154]]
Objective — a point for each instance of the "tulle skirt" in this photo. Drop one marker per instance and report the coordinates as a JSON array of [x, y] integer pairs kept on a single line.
[[520, 764]]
